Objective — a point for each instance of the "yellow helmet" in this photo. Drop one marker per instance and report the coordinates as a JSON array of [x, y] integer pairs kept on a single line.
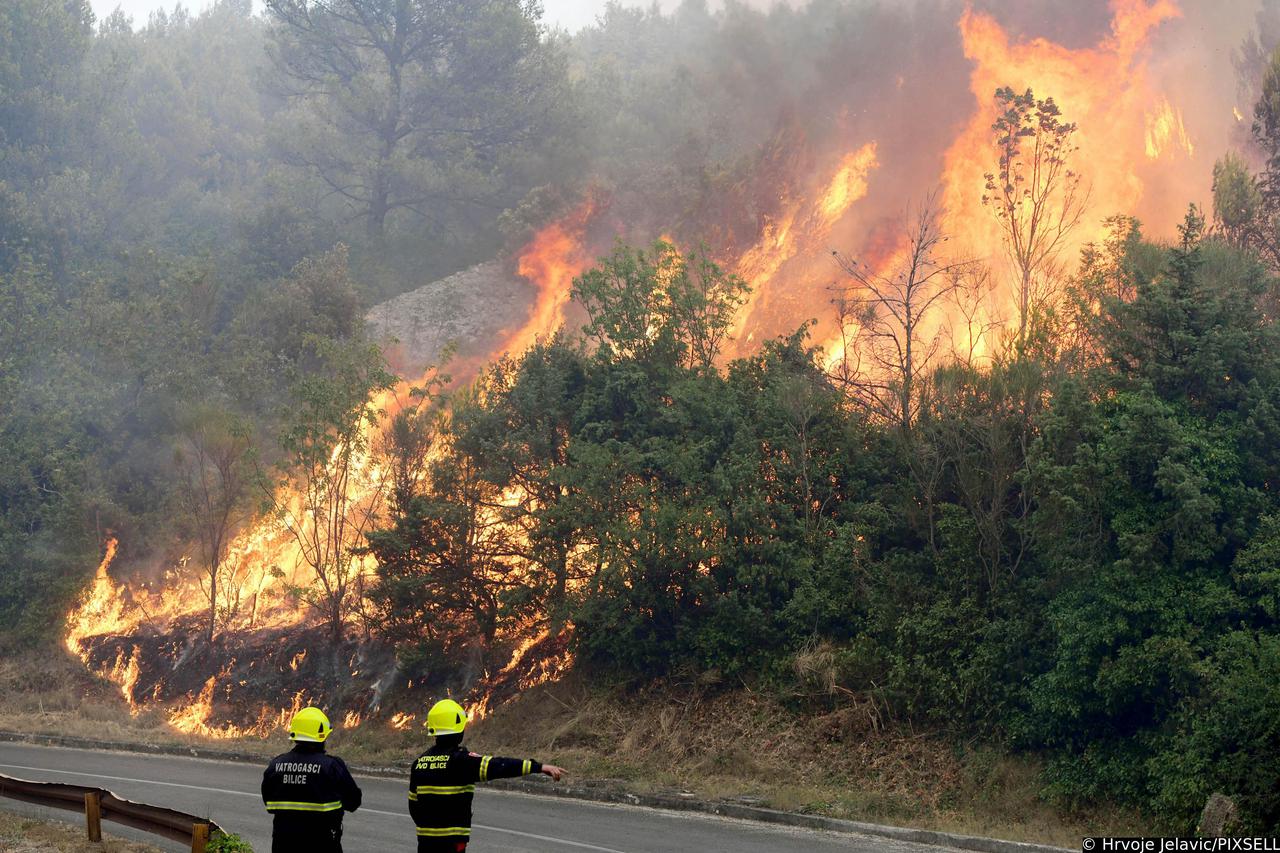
[[309, 725], [446, 717]]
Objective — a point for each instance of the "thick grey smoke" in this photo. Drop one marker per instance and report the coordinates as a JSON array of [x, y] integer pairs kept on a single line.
[[753, 107]]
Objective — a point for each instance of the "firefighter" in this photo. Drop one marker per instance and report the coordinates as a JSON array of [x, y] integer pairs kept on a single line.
[[306, 790], [443, 780]]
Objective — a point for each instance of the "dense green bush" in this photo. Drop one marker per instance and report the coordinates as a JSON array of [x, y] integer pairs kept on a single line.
[[1071, 551]]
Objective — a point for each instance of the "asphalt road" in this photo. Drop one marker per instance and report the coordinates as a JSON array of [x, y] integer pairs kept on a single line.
[[228, 793]]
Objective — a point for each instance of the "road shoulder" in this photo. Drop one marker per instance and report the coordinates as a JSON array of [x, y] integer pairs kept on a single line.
[[595, 793]]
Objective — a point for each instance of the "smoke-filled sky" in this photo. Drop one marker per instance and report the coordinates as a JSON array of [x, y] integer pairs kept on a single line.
[[570, 14]]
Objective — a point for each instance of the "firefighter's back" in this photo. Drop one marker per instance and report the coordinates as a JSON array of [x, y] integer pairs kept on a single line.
[[442, 785], [306, 790]]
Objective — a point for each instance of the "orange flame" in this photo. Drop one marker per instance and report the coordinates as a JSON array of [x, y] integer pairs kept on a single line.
[[1166, 134], [551, 260], [101, 611], [802, 229], [1123, 124], [195, 718], [1103, 89]]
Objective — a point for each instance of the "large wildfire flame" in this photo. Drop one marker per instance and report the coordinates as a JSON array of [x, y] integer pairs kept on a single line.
[[266, 561], [1105, 90], [551, 261], [1126, 129], [801, 232]]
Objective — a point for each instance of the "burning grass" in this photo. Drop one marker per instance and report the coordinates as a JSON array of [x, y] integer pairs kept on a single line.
[[259, 682]]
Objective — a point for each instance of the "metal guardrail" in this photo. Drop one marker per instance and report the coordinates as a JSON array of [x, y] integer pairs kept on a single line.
[[100, 804]]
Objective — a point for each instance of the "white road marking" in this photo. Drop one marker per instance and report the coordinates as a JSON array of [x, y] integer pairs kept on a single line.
[[547, 838], [92, 776], [516, 832]]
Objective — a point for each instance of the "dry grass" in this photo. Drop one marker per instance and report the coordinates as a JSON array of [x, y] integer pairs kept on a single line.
[[22, 834], [52, 694], [850, 762], [739, 745]]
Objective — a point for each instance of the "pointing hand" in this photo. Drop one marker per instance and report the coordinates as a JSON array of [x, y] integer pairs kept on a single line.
[[553, 771]]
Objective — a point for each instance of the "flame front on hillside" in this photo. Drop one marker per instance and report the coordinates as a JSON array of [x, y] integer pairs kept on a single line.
[[1104, 90], [801, 232], [1125, 126]]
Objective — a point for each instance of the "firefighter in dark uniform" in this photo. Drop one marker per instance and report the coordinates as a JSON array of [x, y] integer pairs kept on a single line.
[[443, 780], [307, 791]]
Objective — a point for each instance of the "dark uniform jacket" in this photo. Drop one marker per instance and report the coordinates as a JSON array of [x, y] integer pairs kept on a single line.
[[442, 784], [307, 791]]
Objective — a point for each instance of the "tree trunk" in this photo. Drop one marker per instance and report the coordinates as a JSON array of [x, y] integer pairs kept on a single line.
[[213, 600], [1024, 307], [378, 206], [380, 198]]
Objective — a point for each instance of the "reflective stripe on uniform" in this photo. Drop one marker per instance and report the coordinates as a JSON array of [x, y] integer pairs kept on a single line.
[[445, 789], [443, 831], [524, 771], [484, 768], [305, 807]]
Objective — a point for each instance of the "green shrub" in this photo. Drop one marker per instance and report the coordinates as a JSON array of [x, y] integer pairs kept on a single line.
[[223, 842]]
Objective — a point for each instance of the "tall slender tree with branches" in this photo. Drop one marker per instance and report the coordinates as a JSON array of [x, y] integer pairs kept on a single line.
[[330, 493], [1035, 194], [214, 478]]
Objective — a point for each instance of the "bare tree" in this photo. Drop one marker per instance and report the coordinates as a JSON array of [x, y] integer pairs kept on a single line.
[[332, 491], [1034, 193], [212, 458], [884, 317], [972, 325]]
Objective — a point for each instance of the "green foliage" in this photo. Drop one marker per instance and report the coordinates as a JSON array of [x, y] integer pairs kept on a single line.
[[1074, 557], [1237, 204], [1072, 550], [42, 46], [228, 842], [411, 106], [1156, 532], [659, 307]]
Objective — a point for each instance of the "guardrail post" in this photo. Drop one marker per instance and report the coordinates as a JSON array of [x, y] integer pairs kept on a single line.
[[93, 815], [199, 837]]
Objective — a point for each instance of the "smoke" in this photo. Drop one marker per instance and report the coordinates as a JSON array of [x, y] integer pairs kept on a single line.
[[1194, 61], [731, 119]]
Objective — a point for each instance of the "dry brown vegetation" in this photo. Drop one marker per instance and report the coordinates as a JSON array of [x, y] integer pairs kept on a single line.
[[48, 693], [22, 834], [849, 761]]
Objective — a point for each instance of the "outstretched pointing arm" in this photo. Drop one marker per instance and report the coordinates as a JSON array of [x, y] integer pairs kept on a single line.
[[497, 767]]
